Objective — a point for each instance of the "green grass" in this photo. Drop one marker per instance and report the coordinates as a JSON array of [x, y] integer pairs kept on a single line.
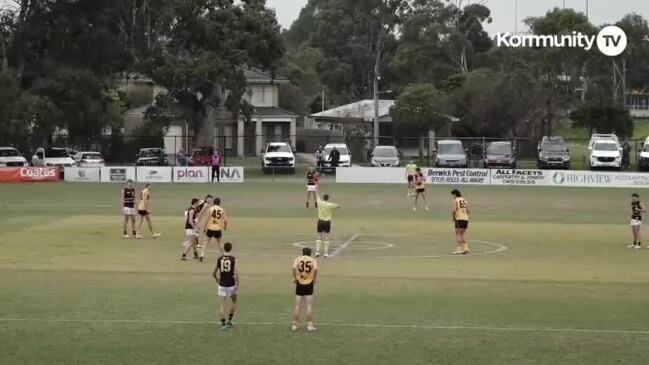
[[78, 293]]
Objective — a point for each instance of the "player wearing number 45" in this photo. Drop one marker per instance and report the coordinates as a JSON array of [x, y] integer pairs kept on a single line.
[[305, 272], [215, 223], [226, 275]]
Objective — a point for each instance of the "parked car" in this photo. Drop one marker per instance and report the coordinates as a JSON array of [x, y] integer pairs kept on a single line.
[[345, 155], [500, 154], [450, 153], [643, 159], [52, 156], [606, 153], [89, 159], [151, 157], [596, 137], [201, 156], [553, 152], [10, 156], [278, 156], [71, 151], [385, 156]]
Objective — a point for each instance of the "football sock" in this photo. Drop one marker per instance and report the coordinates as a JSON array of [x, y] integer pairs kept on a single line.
[[124, 232], [223, 321], [466, 246], [326, 244], [230, 317], [317, 245], [134, 233]]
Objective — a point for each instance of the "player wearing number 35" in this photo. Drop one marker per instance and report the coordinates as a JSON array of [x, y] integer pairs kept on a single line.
[[305, 271]]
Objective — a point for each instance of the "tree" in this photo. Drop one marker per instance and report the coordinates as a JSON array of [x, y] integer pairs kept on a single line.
[[418, 110], [497, 103], [353, 37], [637, 51], [562, 70], [202, 66], [440, 39], [604, 116]]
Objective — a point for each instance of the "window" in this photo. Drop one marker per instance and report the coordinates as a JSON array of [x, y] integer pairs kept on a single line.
[[227, 132]]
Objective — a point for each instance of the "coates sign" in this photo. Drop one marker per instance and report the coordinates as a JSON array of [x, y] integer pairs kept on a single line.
[[231, 174], [196, 174], [611, 40], [519, 177], [28, 174], [599, 179]]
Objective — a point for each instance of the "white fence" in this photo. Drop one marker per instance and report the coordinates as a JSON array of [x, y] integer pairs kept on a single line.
[[153, 174], [498, 177]]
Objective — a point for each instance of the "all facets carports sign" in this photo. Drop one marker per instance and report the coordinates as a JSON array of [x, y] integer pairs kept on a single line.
[[520, 177]]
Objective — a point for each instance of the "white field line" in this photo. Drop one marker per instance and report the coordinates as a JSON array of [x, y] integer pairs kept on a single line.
[[344, 245], [349, 325]]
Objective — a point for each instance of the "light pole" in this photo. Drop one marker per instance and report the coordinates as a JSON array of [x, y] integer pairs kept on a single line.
[[376, 104]]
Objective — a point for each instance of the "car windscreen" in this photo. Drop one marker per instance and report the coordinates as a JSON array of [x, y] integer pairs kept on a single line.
[[499, 149], [450, 149], [150, 153], [554, 147], [91, 156], [278, 148], [385, 152], [9, 153], [605, 147], [645, 148], [56, 153], [342, 150]]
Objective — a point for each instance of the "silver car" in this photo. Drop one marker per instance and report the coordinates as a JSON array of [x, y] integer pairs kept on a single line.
[[385, 156], [450, 153]]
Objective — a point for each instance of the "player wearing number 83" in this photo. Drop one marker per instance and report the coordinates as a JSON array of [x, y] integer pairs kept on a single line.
[[305, 272]]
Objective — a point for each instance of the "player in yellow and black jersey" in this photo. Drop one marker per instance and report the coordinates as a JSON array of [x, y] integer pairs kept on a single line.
[[305, 272], [461, 221], [143, 209], [215, 223]]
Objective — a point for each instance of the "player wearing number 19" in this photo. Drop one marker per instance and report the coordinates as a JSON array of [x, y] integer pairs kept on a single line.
[[226, 275], [215, 223], [305, 272]]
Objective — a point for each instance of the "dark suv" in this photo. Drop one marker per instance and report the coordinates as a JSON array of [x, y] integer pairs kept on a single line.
[[554, 153], [151, 157]]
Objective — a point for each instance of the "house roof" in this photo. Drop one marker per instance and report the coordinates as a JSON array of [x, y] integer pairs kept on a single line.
[[363, 110], [255, 75], [265, 111]]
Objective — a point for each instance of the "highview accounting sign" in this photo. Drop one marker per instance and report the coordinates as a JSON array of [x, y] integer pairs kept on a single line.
[[611, 40]]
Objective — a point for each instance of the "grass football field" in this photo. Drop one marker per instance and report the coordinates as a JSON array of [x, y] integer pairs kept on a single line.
[[550, 280]]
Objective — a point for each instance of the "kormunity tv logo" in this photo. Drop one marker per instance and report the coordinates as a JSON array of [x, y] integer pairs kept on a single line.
[[611, 40]]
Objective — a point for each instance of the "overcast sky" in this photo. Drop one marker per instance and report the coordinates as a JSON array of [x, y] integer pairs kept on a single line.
[[503, 11]]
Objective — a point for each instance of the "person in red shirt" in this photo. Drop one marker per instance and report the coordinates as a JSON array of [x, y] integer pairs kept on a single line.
[[312, 180]]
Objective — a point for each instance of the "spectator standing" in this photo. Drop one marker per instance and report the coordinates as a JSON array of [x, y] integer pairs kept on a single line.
[[320, 159], [626, 154], [216, 166], [334, 158], [182, 158]]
